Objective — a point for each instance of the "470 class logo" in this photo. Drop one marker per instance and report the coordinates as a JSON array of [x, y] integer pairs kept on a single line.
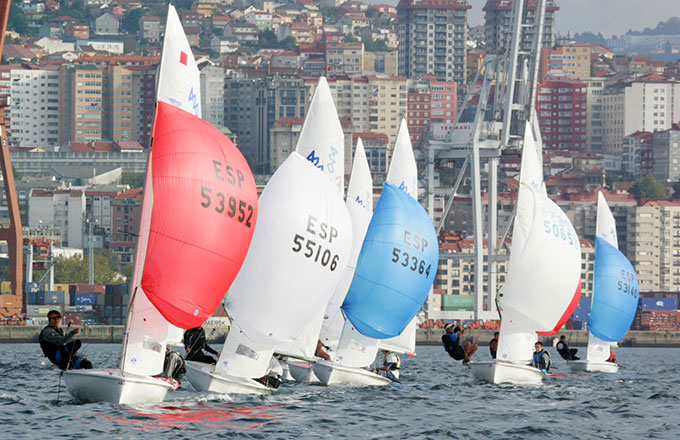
[[314, 159]]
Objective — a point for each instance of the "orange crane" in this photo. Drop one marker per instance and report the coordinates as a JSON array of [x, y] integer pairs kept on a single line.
[[10, 305]]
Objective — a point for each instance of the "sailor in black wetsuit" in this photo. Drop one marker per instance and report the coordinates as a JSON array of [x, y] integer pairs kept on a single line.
[[194, 343], [61, 349], [563, 349], [454, 347]]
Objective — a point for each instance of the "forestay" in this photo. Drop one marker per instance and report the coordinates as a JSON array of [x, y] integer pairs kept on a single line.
[[299, 251], [396, 267]]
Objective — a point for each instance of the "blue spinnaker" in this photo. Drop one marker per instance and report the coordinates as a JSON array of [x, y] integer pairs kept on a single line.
[[615, 293], [396, 267]]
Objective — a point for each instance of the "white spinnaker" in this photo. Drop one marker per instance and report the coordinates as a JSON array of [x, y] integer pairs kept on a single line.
[[598, 350], [322, 140], [179, 80], [243, 357], [403, 173], [544, 266], [146, 330], [354, 349], [360, 207], [300, 249], [304, 346]]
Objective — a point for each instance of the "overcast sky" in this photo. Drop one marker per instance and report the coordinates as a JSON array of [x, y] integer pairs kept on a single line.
[[606, 16]]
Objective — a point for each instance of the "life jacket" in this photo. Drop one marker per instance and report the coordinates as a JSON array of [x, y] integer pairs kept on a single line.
[[395, 365], [49, 349], [540, 362]]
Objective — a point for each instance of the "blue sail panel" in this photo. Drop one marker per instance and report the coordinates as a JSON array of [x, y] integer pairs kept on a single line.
[[396, 267], [616, 293]]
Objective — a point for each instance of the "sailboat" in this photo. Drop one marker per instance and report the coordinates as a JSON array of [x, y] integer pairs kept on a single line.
[[543, 282], [182, 267], [615, 298], [357, 346], [299, 252]]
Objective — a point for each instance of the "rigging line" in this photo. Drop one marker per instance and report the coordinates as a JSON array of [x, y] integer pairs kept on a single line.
[[61, 374]]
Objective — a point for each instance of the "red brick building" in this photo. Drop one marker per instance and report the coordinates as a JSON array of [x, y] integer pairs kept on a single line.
[[561, 107]]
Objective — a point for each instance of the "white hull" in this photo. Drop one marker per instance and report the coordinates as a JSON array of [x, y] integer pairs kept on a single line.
[[590, 366], [302, 371], [202, 378], [115, 386], [506, 372], [330, 373], [286, 372]]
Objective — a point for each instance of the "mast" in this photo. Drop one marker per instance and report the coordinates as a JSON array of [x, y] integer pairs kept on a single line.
[[14, 234]]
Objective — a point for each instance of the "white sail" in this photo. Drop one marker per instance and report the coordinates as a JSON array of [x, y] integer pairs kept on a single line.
[[598, 350], [146, 329], [360, 207], [354, 349], [403, 173], [304, 346], [322, 141], [299, 251], [243, 357], [175, 336], [544, 267], [179, 79]]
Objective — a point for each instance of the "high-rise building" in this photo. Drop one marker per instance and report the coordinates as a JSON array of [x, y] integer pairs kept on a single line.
[[666, 154], [34, 113], [143, 88], [432, 36], [572, 61], [498, 24], [594, 124], [212, 95], [561, 106], [432, 105]]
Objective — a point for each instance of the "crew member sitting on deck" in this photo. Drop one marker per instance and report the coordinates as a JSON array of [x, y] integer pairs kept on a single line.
[[194, 343], [541, 358], [493, 345], [453, 346], [563, 349], [320, 352], [61, 349], [391, 366], [612, 357], [173, 366]]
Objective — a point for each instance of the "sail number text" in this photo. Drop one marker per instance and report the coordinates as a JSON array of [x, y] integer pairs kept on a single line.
[[233, 206], [556, 226], [626, 283], [410, 261], [313, 250]]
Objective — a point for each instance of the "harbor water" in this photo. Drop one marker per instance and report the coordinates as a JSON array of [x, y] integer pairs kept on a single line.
[[438, 398]]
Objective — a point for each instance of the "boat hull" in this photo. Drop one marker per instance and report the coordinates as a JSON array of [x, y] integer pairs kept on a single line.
[[582, 366], [202, 378], [302, 371], [330, 373], [115, 386], [506, 372]]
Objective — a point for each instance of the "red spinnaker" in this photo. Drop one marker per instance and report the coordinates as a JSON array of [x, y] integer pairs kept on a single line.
[[567, 314], [204, 212]]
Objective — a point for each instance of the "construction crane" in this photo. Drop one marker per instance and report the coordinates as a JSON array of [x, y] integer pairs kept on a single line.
[[10, 305], [506, 101]]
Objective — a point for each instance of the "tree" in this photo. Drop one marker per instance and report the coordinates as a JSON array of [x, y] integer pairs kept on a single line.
[[130, 22], [135, 180], [267, 40], [17, 20], [676, 190], [647, 187], [70, 270]]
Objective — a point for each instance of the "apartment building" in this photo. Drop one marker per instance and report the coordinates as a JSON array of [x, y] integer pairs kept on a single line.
[[126, 212], [344, 58], [562, 108], [34, 113], [666, 154], [212, 95], [637, 159], [432, 36], [498, 24], [143, 94], [430, 103], [648, 103], [571, 62], [594, 116], [63, 209]]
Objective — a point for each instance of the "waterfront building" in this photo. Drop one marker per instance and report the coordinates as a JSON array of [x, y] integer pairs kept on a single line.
[[561, 106], [34, 111], [498, 24], [432, 38]]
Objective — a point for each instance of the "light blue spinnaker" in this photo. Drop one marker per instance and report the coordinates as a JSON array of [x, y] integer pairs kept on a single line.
[[615, 293], [396, 267]]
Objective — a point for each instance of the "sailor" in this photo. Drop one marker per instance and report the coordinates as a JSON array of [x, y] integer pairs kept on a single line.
[[272, 379], [194, 343], [320, 352], [173, 366], [453, 346], [563, 349], [493, 345], [541, 358], [612, 357], [61, 349], [391, 366]]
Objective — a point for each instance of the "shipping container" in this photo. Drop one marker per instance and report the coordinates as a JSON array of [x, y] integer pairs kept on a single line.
[[54, 297], [437, 302], [11, 302], [83, 299], [61, 287], [34, 287], [78, 309], [41, 311], [577, 325], [109, 288], [5, 286], [658, 304], [458, 302], [118, 321], [100, 299], [74, 318]]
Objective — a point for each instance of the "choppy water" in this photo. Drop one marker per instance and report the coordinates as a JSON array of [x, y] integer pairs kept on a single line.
[[437, 399]]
